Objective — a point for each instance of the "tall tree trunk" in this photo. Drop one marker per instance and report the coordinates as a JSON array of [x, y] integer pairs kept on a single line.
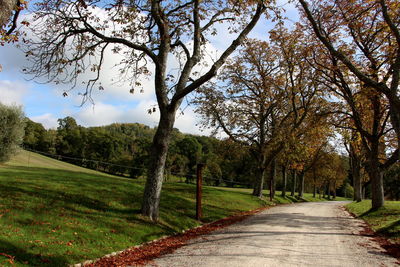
[[284, 180], [272, 180], [334, 189], [357, 187], [158, 155], [355, 165], [259, 184], [329, 190], [301, 184], [376, 176], [314, 191], [294, 178], [377, 193]]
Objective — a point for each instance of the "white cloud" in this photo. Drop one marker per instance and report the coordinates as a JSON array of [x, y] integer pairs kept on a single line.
[[187, 120], [12, 92], [103, 114], [47, 120]]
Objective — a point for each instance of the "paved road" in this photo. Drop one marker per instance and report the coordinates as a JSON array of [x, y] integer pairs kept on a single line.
[[304, 234]]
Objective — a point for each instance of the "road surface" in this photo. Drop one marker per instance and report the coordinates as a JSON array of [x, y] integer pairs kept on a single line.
[[303, 234]]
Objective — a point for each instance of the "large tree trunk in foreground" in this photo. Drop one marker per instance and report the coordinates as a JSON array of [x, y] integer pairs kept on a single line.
[[159, 150], [301, 184], [259, 183], [375, 175], [284, 178], [357, 182], [355, 166], [377, 193]]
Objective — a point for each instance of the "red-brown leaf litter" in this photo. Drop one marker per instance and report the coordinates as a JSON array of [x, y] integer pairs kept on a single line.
[[139, 256], [390, 248]]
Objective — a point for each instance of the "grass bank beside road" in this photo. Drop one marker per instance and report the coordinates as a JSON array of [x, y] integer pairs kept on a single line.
[[384, 221], [54, 214]]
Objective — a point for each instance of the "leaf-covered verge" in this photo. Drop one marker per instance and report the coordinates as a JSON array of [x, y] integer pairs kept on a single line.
[[55, 214], [385, 221]]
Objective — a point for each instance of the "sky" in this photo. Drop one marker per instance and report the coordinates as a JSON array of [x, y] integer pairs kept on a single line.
[[44, 103]]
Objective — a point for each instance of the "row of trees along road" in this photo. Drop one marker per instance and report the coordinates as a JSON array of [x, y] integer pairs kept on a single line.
[[358, 54], [347, 49]]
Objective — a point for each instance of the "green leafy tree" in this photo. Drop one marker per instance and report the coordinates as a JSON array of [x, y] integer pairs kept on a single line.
[[11, 130]]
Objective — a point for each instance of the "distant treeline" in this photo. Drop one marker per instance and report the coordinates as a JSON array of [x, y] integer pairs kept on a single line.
[[123, 148]]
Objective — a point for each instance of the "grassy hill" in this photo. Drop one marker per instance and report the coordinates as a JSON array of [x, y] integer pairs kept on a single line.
[[54, 214]]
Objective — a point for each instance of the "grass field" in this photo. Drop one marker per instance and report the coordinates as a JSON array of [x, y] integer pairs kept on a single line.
[[385, 220], [54, 214]]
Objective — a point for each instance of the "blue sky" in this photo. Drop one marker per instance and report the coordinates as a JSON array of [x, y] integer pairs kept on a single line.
[[44, 103]]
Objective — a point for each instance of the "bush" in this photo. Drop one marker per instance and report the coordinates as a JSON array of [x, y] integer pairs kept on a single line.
[[11, 130]]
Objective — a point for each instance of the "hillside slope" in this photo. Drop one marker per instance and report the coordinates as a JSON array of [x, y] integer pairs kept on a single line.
[[30, 159]]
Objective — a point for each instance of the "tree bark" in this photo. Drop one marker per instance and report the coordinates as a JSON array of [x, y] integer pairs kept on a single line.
[[259, 184], [315, 184], [272, 180], [284, 178], [7, 6], [294, 178], [314, 191], [301, 188], [377, 193], [375, 174], [329, 190], [357, 182], [159, 151], [334, 189]]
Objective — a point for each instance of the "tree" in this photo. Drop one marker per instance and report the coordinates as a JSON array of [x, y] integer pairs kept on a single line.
[[365, 111], [36, 137], [364, 36], [354, 148], [74, 32], [262, 97], [11, 130]]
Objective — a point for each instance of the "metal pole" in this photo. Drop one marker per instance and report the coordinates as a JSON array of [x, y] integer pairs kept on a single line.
[[199, 191]]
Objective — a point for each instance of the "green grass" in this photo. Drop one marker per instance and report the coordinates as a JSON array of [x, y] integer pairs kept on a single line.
[[54, 214], [385, 220]]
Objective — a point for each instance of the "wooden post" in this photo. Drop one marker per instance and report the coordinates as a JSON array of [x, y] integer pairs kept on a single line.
[[199, 190]]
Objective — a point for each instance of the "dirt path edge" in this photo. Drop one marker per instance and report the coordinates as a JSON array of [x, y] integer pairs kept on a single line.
[[390, 248], [145, 253]]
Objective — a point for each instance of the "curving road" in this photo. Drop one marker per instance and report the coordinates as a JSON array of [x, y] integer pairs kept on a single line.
[[304, 234]]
